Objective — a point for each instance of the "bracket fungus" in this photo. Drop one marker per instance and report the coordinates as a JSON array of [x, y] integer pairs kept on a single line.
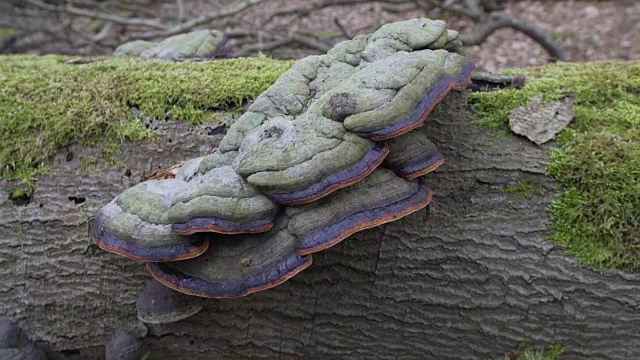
[[328, 150], [199, 44]]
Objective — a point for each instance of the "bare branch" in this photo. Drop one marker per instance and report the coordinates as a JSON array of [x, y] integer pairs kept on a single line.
[[345, 32], [264, 46], [213, 15], [317, 5], [153, 23], [483, 31], [280, 41], [311, 43], [456, 9]]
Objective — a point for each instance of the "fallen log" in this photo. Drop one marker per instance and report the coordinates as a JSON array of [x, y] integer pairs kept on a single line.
[[471, 276]]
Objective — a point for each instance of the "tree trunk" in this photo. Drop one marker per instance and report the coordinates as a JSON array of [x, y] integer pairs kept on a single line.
[[469, 278]]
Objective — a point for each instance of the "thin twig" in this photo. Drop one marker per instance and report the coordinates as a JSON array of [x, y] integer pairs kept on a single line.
[[345, 32], [483, 31]]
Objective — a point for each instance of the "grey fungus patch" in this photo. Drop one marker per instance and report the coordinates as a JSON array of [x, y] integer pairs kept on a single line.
[[340, 106]]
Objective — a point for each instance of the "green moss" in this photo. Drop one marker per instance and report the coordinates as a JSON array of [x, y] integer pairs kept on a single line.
[[551, 352], [7, 31], [524, 188], [46, 104], [598, 165]]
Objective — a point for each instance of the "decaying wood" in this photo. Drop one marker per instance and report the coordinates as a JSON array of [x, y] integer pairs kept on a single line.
[[469, 278]]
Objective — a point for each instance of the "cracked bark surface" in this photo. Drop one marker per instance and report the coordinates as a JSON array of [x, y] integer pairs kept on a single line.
[[468, 278]]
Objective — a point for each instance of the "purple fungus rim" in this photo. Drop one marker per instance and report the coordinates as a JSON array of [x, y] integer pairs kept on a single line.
[[424, 108], [263, 280], [420, 167], [222, 226], [108, 242], [371, 160], [326, 237]]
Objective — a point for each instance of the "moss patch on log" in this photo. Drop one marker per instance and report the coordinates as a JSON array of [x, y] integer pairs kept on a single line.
[[47, 104], [597, 214], [525, 187], [550, 352]]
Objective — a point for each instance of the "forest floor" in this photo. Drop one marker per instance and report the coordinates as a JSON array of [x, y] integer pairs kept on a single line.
[[585, 30]]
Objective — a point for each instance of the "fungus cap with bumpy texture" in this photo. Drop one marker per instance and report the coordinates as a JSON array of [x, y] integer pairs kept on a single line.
[[236, 266], [311, 132], [412, 155], [158, 304], [379, 198], [124, 346]]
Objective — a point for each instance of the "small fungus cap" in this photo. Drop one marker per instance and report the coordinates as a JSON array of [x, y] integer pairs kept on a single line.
[[124, 346], [158, 304], [412, 155]]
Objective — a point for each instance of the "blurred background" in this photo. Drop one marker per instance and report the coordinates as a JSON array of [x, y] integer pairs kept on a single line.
[[497, 34]]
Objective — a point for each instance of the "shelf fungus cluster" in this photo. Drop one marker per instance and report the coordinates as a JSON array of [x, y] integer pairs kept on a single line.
[[328, 150]]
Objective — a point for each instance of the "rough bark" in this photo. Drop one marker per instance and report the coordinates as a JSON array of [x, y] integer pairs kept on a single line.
[[469, 278]]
